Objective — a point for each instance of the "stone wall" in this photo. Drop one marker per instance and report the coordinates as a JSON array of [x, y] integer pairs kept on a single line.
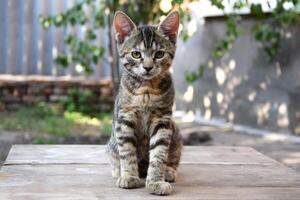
[[16, 91], [243, 87]]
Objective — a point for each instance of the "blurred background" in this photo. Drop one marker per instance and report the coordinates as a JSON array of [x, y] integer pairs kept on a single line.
[[236, 72]]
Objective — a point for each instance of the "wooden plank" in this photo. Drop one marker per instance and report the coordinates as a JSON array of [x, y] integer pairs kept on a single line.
[[195, 182], [60, 172], [189, 175], [71, 30], [60, 46], [187, 193], [3, 35], [30, 38], [15, 35], [47, 35], [95, 154]]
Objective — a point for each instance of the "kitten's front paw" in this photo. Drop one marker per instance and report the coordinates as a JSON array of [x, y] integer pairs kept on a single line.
[[159, 187], [129, 182], [170, 175]]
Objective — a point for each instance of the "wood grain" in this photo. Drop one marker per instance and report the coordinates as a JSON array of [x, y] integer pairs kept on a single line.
[[81, 172], [95, 154]]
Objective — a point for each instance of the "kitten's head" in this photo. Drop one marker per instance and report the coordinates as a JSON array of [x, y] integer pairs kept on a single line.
[[146, 51]]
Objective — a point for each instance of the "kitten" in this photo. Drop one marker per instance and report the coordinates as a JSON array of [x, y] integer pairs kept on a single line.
[[145, 141]]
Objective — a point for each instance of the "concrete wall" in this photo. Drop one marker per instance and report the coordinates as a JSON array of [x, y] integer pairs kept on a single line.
[[242, 87]]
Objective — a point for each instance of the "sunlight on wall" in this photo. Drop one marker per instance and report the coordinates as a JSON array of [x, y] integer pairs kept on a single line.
[[231, 116], [220, 75], [224, 106], [210, 64], [252, 96], [263, 86], [232, 64], [234, 81], [220, 97], [189, 94], [283, 118], [263, 112], [207, 114], [206, 102], [207, 105], [282, 109]]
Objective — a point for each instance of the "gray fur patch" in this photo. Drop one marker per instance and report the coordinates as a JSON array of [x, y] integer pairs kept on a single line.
[[148, 34]]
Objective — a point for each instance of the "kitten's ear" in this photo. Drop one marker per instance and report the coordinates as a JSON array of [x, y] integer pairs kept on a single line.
[[169, 26], [123, 26]]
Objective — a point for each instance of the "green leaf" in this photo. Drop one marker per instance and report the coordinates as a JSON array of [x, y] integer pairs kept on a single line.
[[90, 35], [191, 77], [177, 2], [58, 20], [256, 10], [62, 60], [240, 4], [218, 4]]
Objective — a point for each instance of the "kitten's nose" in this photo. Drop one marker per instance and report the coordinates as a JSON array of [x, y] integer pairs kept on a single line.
[[148, 69]]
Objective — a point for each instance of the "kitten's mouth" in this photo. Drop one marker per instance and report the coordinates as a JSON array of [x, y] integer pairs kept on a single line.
[[148, 75]]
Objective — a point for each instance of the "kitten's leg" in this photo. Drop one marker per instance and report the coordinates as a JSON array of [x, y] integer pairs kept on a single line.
[[159, 148], [114, 158], [127, 142], [174, 155]]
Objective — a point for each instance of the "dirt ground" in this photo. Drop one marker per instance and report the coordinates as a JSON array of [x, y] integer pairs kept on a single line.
[[284, 152]]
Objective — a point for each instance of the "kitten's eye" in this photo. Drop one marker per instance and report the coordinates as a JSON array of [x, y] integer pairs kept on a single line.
[[136, 54], [159, 54]]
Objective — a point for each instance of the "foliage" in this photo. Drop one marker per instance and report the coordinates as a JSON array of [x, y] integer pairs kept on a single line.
[[84, 52], [232, 32], [269, 29], [78, 100], [193, 76], [45, 119]]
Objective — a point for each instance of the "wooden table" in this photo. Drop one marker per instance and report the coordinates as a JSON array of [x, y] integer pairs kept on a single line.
[[74, 172]]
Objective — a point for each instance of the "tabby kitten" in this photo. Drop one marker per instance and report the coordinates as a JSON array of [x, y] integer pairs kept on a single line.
[[145, 141]]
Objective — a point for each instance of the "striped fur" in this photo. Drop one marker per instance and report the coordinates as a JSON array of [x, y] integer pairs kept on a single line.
[[145, 141]]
